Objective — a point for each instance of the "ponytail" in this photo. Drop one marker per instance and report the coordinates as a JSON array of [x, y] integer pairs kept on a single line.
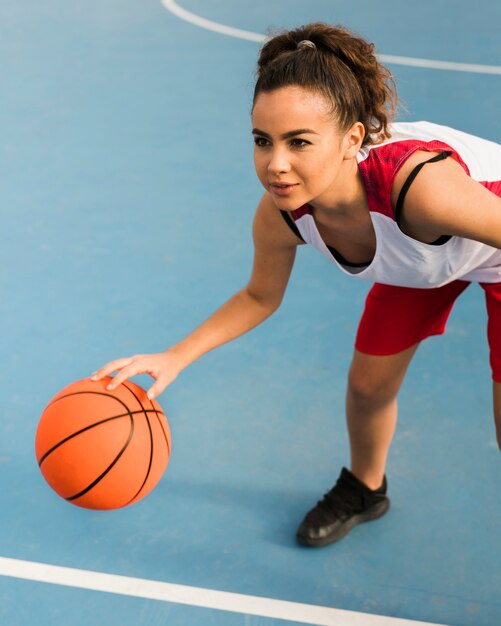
[[340, 65]]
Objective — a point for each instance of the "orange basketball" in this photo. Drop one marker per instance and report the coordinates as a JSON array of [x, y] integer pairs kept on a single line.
[[102, 449]]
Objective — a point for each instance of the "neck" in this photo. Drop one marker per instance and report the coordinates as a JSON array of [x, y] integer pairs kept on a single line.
[[346, 196]]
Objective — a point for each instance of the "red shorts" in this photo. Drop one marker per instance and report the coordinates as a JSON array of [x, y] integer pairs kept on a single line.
[[396, 318]]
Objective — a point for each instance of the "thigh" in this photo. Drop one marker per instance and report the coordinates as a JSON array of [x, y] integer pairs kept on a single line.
[[396, 318], [493, 302], [497, 410]]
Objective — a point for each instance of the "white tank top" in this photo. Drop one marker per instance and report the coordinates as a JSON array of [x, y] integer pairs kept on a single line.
[[399, 259]]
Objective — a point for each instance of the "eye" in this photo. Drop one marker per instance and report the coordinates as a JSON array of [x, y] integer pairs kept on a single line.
[[261, 142], [299, 143]]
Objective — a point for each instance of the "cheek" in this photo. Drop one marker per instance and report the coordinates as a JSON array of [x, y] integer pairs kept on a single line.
[[316, 171], [328, 164], [260, 165]]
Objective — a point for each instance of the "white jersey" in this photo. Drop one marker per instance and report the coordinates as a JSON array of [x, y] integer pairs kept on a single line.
[[399, 259]]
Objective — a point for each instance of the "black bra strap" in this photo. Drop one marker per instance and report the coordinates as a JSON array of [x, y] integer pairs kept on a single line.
[[405, 188], [410, 180], [291, 224]]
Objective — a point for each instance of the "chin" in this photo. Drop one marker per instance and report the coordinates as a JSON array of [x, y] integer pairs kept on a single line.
[[288, 204]]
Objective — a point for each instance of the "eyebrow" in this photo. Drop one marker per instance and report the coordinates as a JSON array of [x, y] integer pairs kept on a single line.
[[288, 135]]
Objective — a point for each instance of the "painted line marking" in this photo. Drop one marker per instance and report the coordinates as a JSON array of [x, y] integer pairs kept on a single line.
[[451, 66], [195, 596], [185, 15]]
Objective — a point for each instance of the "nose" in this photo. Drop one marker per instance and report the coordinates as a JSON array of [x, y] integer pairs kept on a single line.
[[279, 163]]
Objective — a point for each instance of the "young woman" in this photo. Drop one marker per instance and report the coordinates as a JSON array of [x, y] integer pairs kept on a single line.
[[413, 207]]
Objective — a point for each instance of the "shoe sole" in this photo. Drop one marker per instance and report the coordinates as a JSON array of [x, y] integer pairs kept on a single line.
[[375, 513]]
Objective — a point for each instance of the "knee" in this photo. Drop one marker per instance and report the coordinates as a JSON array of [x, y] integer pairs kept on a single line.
[[368, 389]]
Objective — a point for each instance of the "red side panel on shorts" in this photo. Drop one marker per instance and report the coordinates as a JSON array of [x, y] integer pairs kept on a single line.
[[396, 318], [493, 302]]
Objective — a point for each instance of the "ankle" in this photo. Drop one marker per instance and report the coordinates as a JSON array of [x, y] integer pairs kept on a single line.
[[373, 480]]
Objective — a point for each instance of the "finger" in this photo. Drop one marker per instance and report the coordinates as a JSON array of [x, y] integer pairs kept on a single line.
[[111, 367], [135, 367], [158, 387]]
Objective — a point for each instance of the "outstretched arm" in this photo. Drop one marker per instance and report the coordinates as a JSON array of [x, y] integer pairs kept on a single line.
[[274, 253]]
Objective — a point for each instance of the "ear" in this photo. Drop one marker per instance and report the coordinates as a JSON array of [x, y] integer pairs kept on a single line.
[[352, 140]]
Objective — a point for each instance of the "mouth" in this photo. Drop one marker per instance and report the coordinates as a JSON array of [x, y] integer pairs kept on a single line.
[[282, 189]]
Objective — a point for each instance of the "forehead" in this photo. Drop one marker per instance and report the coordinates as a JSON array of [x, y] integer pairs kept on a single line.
[[291, 107]]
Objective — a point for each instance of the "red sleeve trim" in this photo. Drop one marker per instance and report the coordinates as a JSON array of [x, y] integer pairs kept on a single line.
[[379, 168], [494, 186]]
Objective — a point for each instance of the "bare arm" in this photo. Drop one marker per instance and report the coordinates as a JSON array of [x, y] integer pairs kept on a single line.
[[274, 253]]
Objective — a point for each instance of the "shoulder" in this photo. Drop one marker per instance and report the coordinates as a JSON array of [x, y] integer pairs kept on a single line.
[[384, 167], [444, 200], [449, 167], [271, 225], [441, 198], [387, 166]]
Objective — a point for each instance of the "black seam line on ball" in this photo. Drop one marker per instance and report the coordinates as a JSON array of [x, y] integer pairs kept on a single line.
[[88, 391], [82, 430], [108, 469], [148, 471], [159, 420], [157, 414]]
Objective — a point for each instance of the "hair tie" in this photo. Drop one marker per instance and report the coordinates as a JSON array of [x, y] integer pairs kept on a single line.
[[306, 43]]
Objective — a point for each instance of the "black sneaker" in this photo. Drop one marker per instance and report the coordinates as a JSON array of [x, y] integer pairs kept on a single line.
[[347, 504]]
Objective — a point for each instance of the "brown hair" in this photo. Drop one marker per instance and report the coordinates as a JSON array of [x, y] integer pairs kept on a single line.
[[341, 66]]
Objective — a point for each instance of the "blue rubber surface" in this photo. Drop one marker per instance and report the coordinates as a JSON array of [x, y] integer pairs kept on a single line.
[[128, 193]]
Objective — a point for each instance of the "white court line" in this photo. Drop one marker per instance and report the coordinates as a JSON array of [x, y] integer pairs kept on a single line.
[[183, 14], [195, 596]]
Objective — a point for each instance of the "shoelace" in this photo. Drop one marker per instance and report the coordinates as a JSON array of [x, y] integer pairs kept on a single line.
[[342, 498]]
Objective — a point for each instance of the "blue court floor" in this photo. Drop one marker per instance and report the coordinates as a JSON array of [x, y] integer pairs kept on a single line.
[[128, 193]]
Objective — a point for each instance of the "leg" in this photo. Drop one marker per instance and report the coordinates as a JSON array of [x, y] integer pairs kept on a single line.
[[493, 302], [371, 410], [394, 321], [497, 410], [360, 496]]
